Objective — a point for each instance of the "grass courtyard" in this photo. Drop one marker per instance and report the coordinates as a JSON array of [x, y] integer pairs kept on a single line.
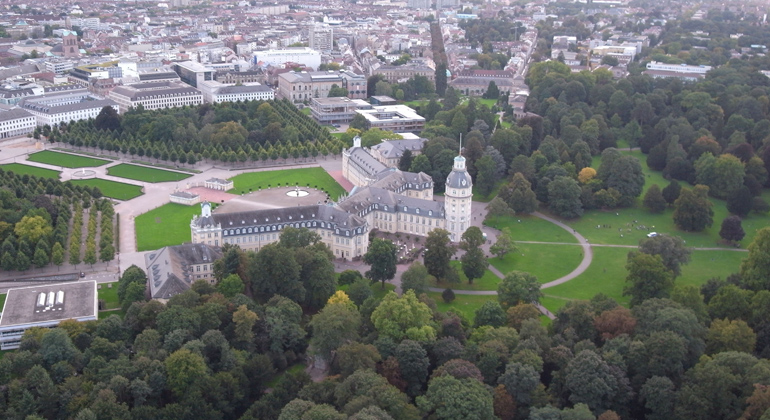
[[66, 160], [112, 189], [313, 177], [145, 174], [166, 225], [20, 169]]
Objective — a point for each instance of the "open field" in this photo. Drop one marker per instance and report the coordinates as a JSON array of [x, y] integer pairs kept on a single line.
[[531, 228], [607, 274], [465, 304], [143, 173], [487, 282], [20, 169], [547, 262], [314, 177], [166, 225], [66, 160], [108, 292], [112, 189]]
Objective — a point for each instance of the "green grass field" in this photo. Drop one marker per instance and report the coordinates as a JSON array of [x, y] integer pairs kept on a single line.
[[2, 300], [109, 295], [20, 169], [112, 189], [66, 160], [531, 228], [465, 304], [306, 176], [547, 262], [487, 282], [607, 274], [166, 225], [488, 102], [143, 173]]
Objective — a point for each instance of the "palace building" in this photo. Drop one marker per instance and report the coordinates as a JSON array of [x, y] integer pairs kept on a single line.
[[384, 198]]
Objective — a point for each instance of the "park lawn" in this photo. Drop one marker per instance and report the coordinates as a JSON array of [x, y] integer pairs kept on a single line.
[[465, 304], [166, 225], [377, 289], [607, 274], [66, 160], [20, 169], [111, 312], [416, 103], [109, 295], [112, 189], [2, 301], [305, 111], [313, 177], [145, 174], [488, 102], [487, 282], [545, 261], [525, 227]]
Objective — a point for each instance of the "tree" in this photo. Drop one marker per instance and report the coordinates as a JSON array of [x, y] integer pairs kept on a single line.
[[359, 122], [614, 322], [647, 278], [518, 287], [442, 402], [658, 396], [244, 321], [564, 197], [755, 270], [671, 192], [354, 356], [335, 325], [518, 194], [490, 313], [132, 274], [654, 200], [403, 317], [731, 229], [274, 271], [503, 245], [671, 250], [492, 91], [349, 277], [57, 254], [730, 335], [486, 175], [498, 207], [336, 91], [56, 346], [438, 252], [405, 162], [692, 210], [40, 258], [415, 278], [413, 364], [32, 228], [590, 381], [740, 201], [474, 261], [185, 371], [520, 380], [108, 119], [722, 175], [230, 285], [382, 257]]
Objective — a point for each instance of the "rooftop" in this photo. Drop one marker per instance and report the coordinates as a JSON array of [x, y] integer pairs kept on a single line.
[[21, 304]]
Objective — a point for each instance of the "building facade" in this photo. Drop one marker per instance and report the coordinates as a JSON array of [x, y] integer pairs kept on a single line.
[[395, 118], [305, 86], [173, 269], [156, 95], [16, 122], [321, 38], [307, 56], [215, 92], [53, 109], [396, 74]]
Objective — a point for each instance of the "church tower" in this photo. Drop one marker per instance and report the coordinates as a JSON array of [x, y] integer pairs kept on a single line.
[[457, 199]]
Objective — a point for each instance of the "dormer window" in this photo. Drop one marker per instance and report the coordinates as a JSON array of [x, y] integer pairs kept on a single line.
[[406, 208], [418, 211]]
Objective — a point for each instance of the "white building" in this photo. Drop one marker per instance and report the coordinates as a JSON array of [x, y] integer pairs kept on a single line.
[[156, 95], [395, 118], [53, 109], [45, 306], [457, 199], [215, 92], [321, 38], [59, 66], [16, 122], [306, 56]]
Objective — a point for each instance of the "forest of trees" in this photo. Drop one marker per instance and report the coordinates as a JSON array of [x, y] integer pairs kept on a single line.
[[41, 223]]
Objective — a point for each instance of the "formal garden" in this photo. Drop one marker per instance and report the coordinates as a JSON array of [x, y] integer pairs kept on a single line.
[[112, 189], [304, 177], [145, 174], [66, 160]]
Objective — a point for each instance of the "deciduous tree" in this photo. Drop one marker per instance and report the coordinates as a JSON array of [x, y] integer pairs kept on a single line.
[[518, 287], [382, 259]]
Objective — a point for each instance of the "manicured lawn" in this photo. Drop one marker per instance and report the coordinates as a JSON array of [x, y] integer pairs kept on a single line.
[[20, 169], [607, 274], [167, 225], [2, 300], [109, 295], [465, 304], [547, 262], [112, 189], [530, 228], [306, 176], [488, 102], [66, 160], [487, 282], [143, 173]]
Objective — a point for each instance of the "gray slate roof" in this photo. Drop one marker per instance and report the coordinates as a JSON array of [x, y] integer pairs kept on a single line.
[[395, 148], [168, 268], [363, 159], [332, 216], [458, 179], [14, 114]]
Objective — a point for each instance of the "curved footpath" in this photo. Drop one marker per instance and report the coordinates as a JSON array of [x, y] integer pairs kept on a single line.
[[588, 256]]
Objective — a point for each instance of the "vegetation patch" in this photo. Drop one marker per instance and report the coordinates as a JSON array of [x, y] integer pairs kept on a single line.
[[143, 173], [66, 160], [20, 169], [305, 177], [487, 282], [108, 293], [166, 225], [531, 228], [465, 304], [112, 189], [547, 262]]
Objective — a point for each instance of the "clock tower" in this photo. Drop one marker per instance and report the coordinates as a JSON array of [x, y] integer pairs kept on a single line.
[[457, 199]]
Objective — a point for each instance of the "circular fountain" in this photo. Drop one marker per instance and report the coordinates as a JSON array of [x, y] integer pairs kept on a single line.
[[297, 193]]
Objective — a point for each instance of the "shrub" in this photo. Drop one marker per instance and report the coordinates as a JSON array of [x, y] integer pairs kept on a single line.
[[448, 295]]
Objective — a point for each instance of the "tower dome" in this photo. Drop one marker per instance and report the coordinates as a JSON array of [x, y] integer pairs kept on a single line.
[[459, 177]]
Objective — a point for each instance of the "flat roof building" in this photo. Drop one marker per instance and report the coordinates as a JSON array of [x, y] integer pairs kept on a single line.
[[156, 95], [45, 306], [395, 118], [336, 109]]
